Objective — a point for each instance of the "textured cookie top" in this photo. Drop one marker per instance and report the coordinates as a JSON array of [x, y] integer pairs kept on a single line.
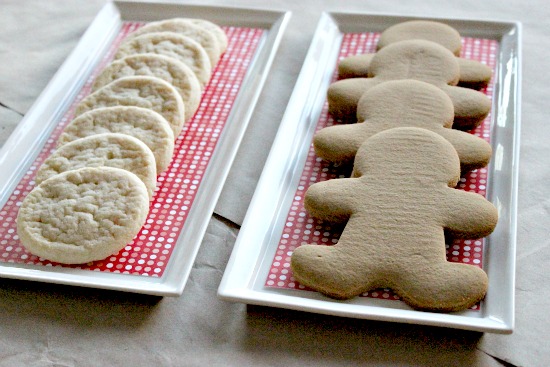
[[83, 215], [185, 27], [140, 91], [141, 123], [401, 156], [109, 149], [166, 68], [405, 102], [170, 44], [437, 32]]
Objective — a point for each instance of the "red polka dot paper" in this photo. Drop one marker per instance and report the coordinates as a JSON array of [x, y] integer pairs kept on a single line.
[[149, 253], [302, 229]]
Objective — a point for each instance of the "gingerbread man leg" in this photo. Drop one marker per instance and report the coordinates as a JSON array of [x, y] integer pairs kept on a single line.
[[444, 286], [337, 271], [426, 284]]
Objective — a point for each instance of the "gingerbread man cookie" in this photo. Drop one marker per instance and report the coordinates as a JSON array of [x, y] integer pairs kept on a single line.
[[398, 206], [401, 103], [473, 74], [420, 60]]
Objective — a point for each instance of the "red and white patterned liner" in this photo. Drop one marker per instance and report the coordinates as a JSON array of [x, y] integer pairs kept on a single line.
[[149, 253], [301, 229]]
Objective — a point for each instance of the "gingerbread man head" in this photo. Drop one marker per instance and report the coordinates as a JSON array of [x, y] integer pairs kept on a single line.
[[396, 210], [401, 103], [428, 30], [419, 60]]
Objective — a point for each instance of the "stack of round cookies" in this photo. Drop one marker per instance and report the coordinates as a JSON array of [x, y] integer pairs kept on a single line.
[[92, 195]]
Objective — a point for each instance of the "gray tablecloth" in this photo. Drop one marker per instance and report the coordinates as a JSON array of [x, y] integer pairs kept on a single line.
[[54, 325]]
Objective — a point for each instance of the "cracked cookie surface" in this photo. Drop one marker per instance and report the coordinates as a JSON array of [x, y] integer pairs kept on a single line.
[[141, 123], [139, 91], [170, 44], [166, 68], [83, 215], [109, 149], [204, 36]]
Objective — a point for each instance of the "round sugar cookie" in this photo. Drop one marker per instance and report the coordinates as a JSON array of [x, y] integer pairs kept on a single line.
[[109, 149], [140, 91], [204, 37], [170, 44], [214, 28], [166, 68], [141, 123], [83, 215]]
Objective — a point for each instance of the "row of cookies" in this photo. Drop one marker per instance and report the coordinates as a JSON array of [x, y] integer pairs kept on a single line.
[[409, 54], [401, 200], [93, 192], [419, 50]]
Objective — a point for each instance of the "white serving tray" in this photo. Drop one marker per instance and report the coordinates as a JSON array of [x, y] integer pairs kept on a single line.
[[248, 267], [24, 144]]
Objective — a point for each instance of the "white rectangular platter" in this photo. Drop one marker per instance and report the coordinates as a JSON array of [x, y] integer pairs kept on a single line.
[[27, 140], [246, 273]]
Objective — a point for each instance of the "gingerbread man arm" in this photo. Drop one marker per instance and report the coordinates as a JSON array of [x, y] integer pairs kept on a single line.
[[473, 74], [471, 106], [343, 96], [331, 200], [339, 143], [469, 215], [356, 66], [473, 151]]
